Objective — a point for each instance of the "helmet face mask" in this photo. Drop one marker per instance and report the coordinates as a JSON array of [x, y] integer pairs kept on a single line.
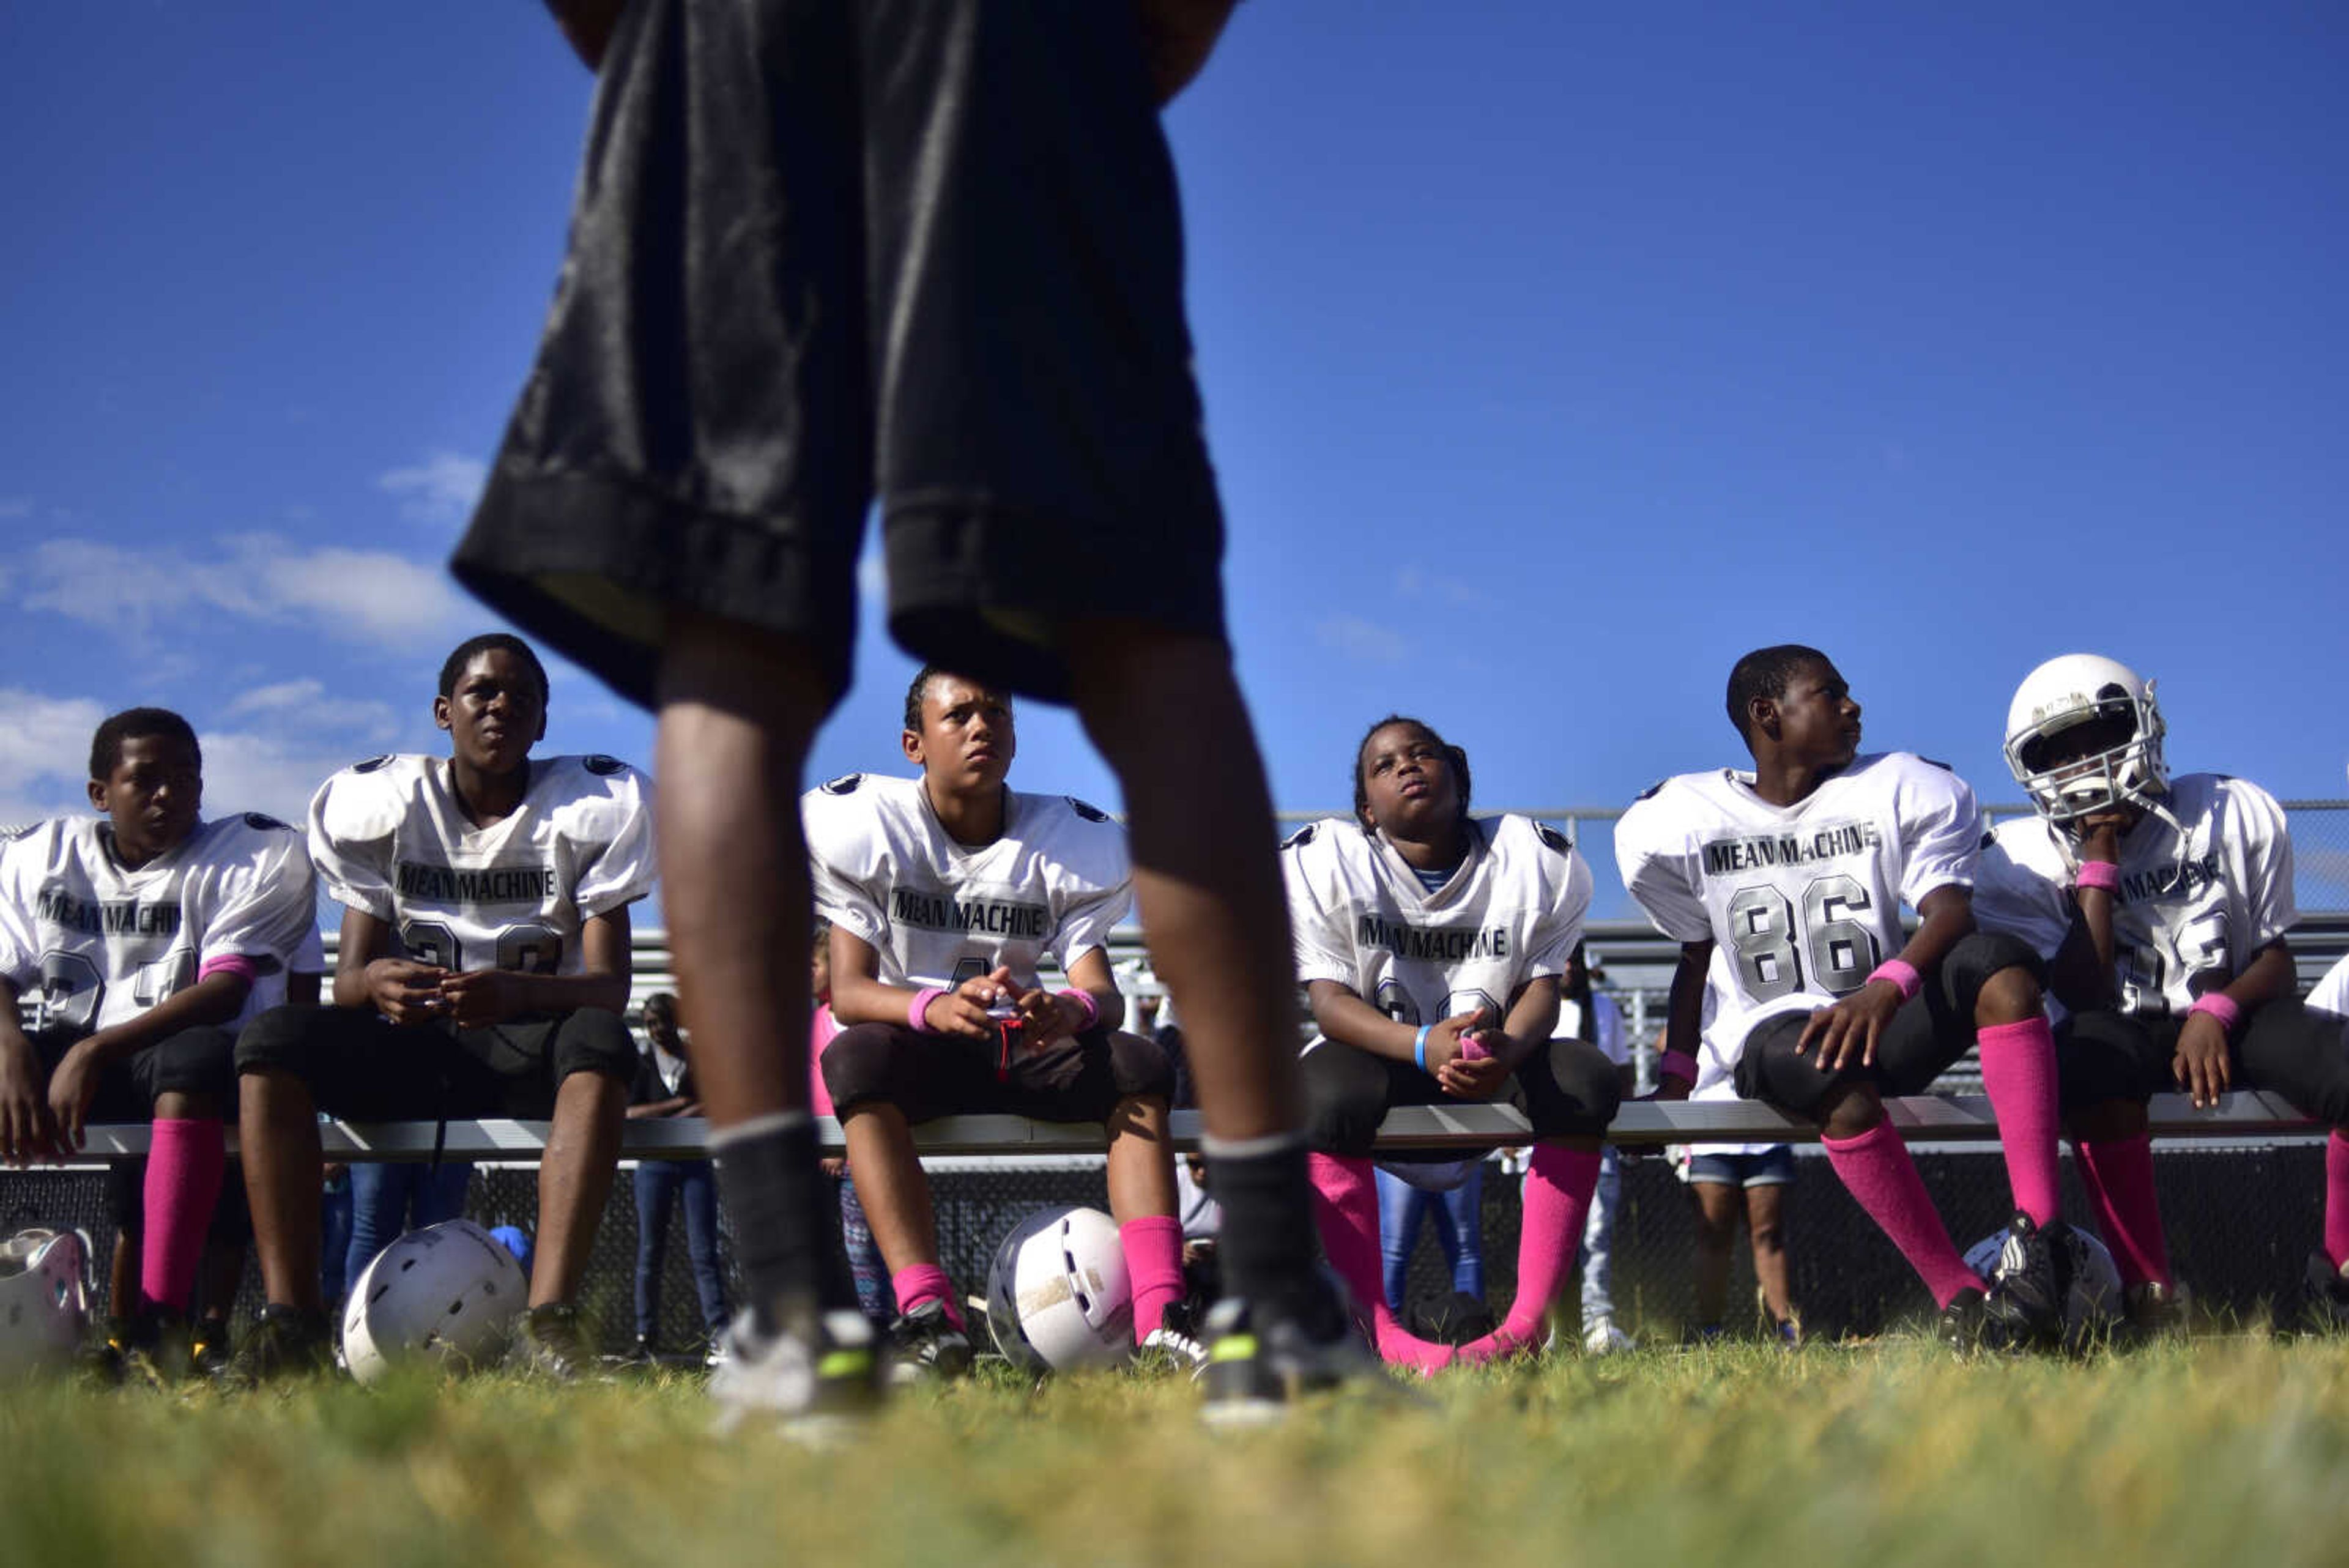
[[2116, 762]]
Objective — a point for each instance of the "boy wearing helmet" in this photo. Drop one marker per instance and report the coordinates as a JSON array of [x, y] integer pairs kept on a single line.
[[2161, 905]]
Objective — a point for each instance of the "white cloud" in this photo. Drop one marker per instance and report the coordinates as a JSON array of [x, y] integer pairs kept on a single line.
[[1413, 583], [442, 489], [249, 770], [363, 596], [306, 702], [44, 754], [1365, 639]]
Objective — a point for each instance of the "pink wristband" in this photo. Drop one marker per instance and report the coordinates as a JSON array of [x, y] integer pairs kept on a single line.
[[1083, 999], [2098, 874], [2221, 1006], [1900, 973], [917, 1016], [1677, 1065]]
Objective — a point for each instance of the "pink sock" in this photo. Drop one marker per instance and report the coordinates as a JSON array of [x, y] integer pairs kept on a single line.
[[1154, 1261], [2336, 1198], [2018, 1069], [1876, 1168], [926, 1282], [1346, 1210], [2118, 1176], [1558, 1186], [184, 1161]]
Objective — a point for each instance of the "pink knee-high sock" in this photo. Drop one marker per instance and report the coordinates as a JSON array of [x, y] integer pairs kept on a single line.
[[1558, 1185], [1876, 1168], [1154, 1261], [2118, 1176], [185, 1157], [1346, 1210], [2336, 1198], [2018, 1069], [926, 1282]]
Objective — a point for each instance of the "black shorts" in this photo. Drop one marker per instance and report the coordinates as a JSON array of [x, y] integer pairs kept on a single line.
[[824, 250], [1076, 1078], [2300, 1054], [1567, 1089], [358, 1064], [197, 1061], [1931, 1030]]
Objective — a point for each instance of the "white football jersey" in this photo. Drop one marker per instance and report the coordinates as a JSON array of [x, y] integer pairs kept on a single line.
[[937, 912], [2182, 922], [1511, 913], [89, 945], [2331, 992], [390, 839], [1803, 901]]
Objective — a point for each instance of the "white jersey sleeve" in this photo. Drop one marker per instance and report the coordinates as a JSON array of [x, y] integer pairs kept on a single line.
[[2023, 886], [1940, 828], [609, 823], [848, 859], [2260, 845], [22, 856], [1321, 928], [1657, 855], [2330, 993], [355, 821], [266, 897]]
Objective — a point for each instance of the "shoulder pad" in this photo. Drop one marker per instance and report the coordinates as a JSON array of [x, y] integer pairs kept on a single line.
[[1553, 838], [844, 784], [262, 822], [601, 765], [1301, 837], [372, 764], [1089, 813], [1650, 793], [1938, 762], [10, 835]]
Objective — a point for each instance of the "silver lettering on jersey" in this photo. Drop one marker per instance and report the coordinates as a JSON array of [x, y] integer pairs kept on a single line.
[[1436, 945], [444, 885], [1756, 851], [992, 916], [128, 918], [2169, 881]]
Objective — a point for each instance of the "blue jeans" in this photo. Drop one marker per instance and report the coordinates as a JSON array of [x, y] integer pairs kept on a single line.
[[659, 1183], [1458, 1230], [387, 1201], [1599, 1238], [334, 1239], [875, 1293]]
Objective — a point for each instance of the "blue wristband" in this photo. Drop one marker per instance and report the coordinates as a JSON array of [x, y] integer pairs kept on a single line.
[[1419, 1046]]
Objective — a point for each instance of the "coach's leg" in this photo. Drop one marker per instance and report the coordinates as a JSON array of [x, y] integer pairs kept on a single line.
[[1165, 710], [574, 1175], [738, 708]]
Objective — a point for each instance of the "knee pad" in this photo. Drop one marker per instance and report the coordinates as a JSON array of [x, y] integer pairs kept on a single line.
[[2102, 1057], [593, 1040], [1345, 1099], [1768, 1069], [1582, 1094], [1978, 956], [278, 1040], [199, 1061], [860, 1064], [1140, 1067]]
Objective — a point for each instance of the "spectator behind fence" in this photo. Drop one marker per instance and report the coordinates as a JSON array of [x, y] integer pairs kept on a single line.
[[1727, 1180], [484, 965], [664, 1087], [1586, 1012]]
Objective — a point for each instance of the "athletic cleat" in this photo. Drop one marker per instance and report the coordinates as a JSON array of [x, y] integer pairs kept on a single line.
[[1256, 1374], [2152, 1308], [2030, 1284], [284, 1342], [820, 1386], [1601, 1337], [209, 1350], [2324, 1293], [925, 1346], [1966, 1324], [1172, 1352], [550, 1342]]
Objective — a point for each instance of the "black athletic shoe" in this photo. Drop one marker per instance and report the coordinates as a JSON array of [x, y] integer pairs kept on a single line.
[[925, 1346], [1966, 1324], [551, 1342], [2029, 1286], [209, 1350], [2325, 1295], [104, 1360], [2151, 1309], [1175, 1347], [1257, 1371], [284, 1342]]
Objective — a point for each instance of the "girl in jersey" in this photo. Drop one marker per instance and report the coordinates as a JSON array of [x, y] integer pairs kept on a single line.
[[1431, 946]]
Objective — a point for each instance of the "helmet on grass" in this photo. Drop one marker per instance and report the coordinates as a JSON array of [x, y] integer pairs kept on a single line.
[[447, 1293], [44, 1298], [1058, 1296]]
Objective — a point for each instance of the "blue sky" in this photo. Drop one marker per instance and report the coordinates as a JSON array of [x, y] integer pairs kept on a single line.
[[1553, 356]]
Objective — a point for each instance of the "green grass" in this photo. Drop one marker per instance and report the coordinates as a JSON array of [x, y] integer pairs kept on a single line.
[[2221, 1449]]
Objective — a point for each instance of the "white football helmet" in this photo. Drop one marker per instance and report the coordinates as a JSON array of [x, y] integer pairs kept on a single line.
[[2093, 1302], [43, 1299], [1058, 1296], [2071, 690], [447, 1293]]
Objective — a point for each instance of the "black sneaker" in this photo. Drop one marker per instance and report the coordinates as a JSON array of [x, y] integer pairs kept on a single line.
[[2031, 1283], [1257, 1371], [1966, 1324], [642, 1351], [284, 1342], [105, 1359], [2325, 1295], [925, 1346], [209, 1350], [2152, 1309], [819, 1384], [551, 1342]]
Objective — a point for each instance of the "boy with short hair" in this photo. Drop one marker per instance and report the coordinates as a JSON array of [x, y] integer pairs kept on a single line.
[[131, 942], [483, 967], [1784, 886]]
